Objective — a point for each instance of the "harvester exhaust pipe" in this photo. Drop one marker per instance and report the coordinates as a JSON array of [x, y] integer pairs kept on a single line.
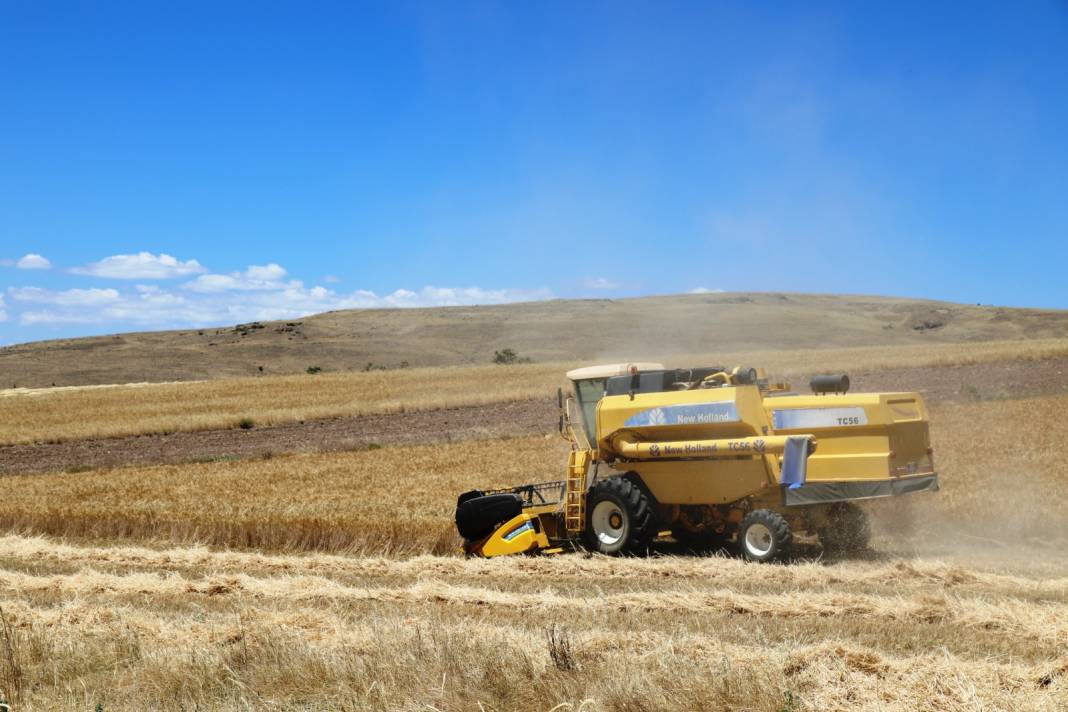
[[828, 383]]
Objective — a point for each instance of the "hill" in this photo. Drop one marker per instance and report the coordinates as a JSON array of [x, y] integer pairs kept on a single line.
[[559, 330]]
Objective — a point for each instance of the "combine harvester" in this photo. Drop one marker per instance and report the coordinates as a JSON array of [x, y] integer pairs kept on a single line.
[[707, 456]]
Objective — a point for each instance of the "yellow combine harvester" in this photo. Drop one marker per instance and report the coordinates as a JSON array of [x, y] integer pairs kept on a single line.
[[707, 456]]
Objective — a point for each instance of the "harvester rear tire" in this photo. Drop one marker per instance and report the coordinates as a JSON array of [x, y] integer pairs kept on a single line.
[[765, 536], [848, 530], [620, 517]]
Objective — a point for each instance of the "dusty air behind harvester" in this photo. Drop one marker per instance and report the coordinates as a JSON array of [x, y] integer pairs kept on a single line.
[[709, 456]]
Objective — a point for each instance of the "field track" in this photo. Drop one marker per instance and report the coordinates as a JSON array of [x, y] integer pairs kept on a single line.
[[511, 419]]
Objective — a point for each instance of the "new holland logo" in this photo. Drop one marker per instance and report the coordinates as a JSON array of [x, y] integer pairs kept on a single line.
[[685, 414], [654, 450], [760, 446]]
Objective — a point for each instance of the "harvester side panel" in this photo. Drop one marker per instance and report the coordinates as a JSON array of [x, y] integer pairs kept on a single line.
[[863, 437], [702, 481], [865, 441], [707, 414]]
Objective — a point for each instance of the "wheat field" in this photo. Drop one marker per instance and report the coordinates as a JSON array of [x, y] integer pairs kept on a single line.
[[59, 414], [331, 581], [145, 628], [399, 500]]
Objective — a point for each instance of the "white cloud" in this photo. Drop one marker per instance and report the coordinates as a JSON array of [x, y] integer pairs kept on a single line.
[[600, 283], [255, 278], [265, 273], [143, 265], [259, 293], [69, 297], [32, 261], [30, 318], [705, 290], [3, 310], [431, 296]]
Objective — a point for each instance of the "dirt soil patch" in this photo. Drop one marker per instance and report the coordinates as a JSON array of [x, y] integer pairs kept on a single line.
[[996, 380], [987, 381], [501, 420]]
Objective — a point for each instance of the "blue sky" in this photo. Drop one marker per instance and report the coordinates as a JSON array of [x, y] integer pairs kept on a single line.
[[173, 164]]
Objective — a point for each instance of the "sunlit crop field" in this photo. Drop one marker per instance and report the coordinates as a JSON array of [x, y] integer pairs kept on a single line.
[[331, 581], [393, 501], [1000, 463], [50, 415]]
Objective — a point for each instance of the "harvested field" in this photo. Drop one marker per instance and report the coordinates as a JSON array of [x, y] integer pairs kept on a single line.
[[80, 413], [136, 628], [494, 420], [995, 380], [330, 580], [56, 415]]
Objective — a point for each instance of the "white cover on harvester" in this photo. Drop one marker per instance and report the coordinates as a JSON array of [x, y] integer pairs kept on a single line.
[[611, 370]]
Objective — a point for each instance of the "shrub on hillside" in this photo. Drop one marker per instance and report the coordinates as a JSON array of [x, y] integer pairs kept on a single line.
[[506, 357]]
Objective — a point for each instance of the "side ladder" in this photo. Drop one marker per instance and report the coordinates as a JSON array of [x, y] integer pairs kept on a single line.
[[578, 465]]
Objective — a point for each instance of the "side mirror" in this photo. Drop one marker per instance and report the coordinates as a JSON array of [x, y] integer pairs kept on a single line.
[[560, 398]]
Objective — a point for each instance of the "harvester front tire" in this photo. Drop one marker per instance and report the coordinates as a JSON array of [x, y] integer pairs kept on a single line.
[[620, 517], [848, 530], [765, 536]]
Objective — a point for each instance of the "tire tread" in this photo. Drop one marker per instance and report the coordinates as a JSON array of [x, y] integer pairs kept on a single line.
[[630, 492], [779, 527]]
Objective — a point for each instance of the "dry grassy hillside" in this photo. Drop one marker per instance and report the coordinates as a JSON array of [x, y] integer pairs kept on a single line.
[[545, 331]]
